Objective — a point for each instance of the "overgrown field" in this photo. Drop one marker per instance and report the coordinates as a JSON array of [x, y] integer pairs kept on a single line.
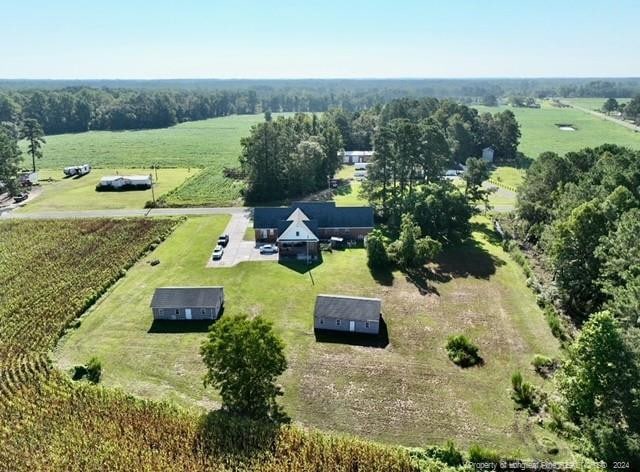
[[49, 272], [408, 392], [540, 133]]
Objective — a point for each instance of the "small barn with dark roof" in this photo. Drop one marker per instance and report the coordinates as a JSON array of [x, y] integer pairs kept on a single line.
[[298, 229], [343, 313], [187, 303]]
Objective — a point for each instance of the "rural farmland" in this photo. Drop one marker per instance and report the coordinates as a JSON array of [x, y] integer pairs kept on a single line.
[[540, 132], [414, 366], [319, 236]]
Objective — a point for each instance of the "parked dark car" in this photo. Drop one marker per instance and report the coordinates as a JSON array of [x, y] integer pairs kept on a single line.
[[223, 240], [21, 197]]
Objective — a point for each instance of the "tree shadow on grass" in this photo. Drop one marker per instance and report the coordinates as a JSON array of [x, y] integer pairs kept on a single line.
[[224, 434], [491, 234], [468, 259], [421, 278], [382, 276], [381, 340]]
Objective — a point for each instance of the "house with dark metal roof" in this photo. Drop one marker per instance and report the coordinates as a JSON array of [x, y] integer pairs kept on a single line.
[[187, 303], [298, 229], [343, 313]]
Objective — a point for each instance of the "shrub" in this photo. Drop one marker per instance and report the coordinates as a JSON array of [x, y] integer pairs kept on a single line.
[[462, 352], [94, 370], [555, 323], [545, 366], [481, 454], [524, 394], [447, 454], [377, 257]]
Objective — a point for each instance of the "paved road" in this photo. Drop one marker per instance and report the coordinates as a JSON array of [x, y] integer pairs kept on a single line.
[[605, 117], [125, 213]]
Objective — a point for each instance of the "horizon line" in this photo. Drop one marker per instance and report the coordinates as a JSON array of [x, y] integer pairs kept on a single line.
[[158, 79]]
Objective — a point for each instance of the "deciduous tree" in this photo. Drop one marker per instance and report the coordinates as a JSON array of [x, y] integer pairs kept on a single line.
[[244, 358]]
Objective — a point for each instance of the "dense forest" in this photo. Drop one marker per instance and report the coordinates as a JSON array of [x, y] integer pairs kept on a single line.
[[416, 140], [76, 106], [581, 213]]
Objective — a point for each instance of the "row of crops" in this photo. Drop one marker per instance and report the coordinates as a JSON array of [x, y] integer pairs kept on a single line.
[[50, 272]]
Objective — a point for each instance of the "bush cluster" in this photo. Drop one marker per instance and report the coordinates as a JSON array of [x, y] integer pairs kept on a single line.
[[462, 352]]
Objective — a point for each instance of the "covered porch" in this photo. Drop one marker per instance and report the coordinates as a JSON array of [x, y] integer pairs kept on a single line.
[[296, 249]]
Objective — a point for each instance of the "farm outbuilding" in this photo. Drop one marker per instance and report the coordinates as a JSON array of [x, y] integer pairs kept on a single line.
[[187, 303], [353, 157], [344, 313], [124, 182], [487, 154]]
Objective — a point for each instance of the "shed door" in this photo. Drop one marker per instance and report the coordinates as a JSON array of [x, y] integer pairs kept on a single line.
[[187, 313], [352, 326]]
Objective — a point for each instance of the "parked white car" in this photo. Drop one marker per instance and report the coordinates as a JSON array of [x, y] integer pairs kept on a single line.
[[268, 249], [217, 253]]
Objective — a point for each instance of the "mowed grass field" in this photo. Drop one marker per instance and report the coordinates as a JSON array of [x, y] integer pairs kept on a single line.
[[408, 392], [71, 194], [592, 103], [540, 133]]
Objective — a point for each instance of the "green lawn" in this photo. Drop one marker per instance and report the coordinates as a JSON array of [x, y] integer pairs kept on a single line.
[[349, 195], [80, 194], [408, 392], [540, 133], [510, 177]]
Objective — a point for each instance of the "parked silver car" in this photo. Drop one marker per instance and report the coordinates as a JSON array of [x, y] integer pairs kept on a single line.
[[268, 249]]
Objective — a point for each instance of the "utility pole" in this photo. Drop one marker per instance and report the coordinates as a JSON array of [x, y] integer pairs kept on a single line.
[[153, 193]]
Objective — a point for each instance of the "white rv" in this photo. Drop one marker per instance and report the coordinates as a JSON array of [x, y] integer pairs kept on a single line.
[[124, 182]]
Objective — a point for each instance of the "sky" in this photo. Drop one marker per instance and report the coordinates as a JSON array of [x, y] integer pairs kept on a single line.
[[137, 39]]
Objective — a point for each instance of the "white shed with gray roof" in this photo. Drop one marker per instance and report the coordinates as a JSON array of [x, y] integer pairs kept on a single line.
[[187, 303], [344, 313]]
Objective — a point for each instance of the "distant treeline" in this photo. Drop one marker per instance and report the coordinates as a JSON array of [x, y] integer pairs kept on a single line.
[[75, 106]]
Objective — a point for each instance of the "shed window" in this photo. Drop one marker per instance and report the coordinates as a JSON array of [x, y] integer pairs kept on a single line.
[[297, 233], [337, 322]]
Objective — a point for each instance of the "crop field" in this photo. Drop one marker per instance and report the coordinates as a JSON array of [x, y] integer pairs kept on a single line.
[[213, 142], [68, 194], [208, 187], [50, 271], [540, 132], [407, 393]]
